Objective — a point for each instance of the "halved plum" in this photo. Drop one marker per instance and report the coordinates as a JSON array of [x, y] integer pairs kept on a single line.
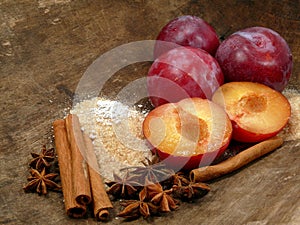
[[257, 111], [188, 134]]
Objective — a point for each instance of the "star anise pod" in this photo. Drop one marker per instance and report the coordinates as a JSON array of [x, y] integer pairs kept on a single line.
[[160, 197], [42, 159], [180, 179], [191, 191], [40, 182], [153, 170], [124, 187], [136, 208]]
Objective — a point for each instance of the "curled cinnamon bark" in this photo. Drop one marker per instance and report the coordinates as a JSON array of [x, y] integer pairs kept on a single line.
[[63, 151], [81, 185], [237, 161], [81, 182], [101, 201]]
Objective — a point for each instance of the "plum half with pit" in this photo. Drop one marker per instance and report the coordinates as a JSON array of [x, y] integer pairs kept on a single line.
[[257, 111], [187, 30], [190, 133], [183, 72], [256, 54]]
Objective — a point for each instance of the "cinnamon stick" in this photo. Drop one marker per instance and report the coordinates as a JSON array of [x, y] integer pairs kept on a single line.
[[80, 177], [63, 151], [101, 201], [237, 161]]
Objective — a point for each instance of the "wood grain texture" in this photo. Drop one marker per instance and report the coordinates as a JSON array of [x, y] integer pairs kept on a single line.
[[45, 47]]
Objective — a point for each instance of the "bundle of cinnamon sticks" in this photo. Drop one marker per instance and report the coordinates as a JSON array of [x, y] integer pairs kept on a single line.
[[81, 183]]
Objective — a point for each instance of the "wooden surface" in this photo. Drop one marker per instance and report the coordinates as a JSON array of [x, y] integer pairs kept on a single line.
[[46, 45]]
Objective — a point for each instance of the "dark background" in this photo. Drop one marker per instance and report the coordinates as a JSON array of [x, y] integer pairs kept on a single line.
[[46, 45]]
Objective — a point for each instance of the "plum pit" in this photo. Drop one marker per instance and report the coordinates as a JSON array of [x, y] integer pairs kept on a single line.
[[253, 103]]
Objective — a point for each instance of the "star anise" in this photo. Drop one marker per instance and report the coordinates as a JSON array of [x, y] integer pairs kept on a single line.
[[136, 208], [191, 191], [160, 197], [40, 182], [153, 170], [180, 179], [124, 187], [42, 159]]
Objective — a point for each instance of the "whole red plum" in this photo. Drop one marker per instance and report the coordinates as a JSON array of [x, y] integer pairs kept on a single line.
[[183, 72], [256, 54], [187, 31]]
